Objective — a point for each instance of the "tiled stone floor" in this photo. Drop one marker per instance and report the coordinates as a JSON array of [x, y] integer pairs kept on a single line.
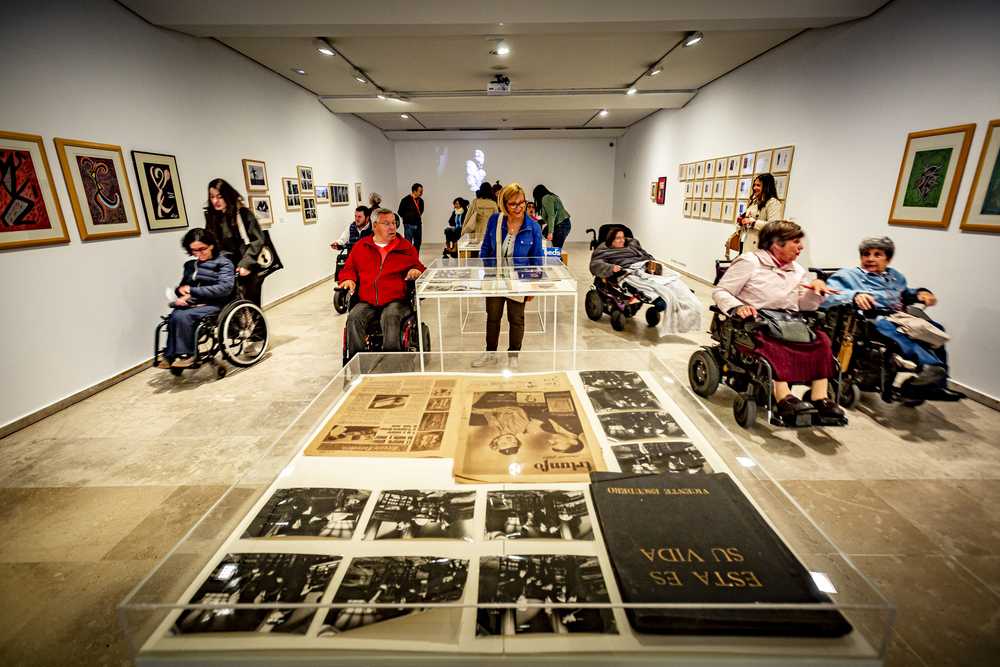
[[96, 494]]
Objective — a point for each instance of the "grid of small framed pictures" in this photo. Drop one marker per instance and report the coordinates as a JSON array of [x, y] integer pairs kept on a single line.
[[719, 189]]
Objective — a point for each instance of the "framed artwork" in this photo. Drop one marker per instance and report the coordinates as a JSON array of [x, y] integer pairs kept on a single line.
[[982, 212], [687, 208], [729, 211], [340, 194], [781, 215], [747, 164], [716, 210], [720, 167], [781, 185], [255, 174], [682, 172], [322, 194], [689, 189], [781, 160], [732, 186], [709, 168], [699, 187], [261, 207], [706, 209], [733, 165], [309, 212], [99, 189], [357, 194], [741, 207], [30, 214], [763, 164], [929, 176], [293, 198], [661, 189], [699, 169], [691, 169], [652, 191], [718, 188], [745, 187], [160, 190], [305, 176]]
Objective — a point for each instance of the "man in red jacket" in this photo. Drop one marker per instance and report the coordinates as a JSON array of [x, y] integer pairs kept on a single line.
[[378, 267]]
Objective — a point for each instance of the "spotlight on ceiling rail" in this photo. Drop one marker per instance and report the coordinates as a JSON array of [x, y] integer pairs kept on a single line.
[[693, 39], [324, 47]]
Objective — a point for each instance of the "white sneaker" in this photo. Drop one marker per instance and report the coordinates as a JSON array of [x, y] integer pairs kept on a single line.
[[487, 359], [512, 365]]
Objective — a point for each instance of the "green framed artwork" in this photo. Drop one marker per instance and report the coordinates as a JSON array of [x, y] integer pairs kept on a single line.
[[930, 175], [982, 212]]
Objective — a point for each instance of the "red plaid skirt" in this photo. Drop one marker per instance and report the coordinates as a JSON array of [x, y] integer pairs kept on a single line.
[[795, 362]]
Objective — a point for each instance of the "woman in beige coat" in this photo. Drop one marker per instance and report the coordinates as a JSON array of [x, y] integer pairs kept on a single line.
[[479, 212], [764, 207]]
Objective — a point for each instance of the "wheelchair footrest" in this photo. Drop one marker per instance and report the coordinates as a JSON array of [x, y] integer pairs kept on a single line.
[[820, 420], [796, 420]]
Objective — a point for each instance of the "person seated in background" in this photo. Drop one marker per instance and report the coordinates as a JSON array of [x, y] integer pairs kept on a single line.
[[453, 231], [378, 268], [357, 230], [623, 259], [205, 287], [875, 285], [770, 278]]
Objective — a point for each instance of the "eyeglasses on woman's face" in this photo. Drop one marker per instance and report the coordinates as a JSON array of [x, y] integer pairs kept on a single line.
[[517, 204]]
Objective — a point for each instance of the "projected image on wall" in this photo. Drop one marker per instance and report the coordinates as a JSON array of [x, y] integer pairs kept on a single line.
[[475, 173]]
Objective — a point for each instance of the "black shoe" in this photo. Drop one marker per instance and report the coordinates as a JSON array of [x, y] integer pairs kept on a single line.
[[791, 405], [828, 408], [929, 375]]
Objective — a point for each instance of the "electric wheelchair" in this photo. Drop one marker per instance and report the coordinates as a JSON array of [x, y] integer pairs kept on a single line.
[[239, 331], [619, 300], [341, 297], [870, 361], [407, 329], [731, 361]]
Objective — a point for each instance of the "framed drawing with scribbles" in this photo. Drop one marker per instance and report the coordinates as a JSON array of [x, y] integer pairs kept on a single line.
[[30, 214], [98, 189], [160, 190]]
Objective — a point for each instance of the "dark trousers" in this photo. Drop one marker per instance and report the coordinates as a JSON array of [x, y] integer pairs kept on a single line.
[[413, 234], [560, 233], [391, 315], [181, 327], [249, 286], [515, 316]]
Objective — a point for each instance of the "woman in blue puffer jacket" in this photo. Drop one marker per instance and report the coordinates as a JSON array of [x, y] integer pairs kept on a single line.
[[206, 286]]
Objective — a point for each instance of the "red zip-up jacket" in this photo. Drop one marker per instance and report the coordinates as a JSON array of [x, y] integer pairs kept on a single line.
[[380, 282]]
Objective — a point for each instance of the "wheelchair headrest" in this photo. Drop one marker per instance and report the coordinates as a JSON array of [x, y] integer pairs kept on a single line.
[[602, 233]]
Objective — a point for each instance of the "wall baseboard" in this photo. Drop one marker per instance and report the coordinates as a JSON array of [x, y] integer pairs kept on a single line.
[[83, 394]]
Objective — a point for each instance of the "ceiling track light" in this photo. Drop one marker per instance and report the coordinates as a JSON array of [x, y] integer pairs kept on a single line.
[[604, 112], [693, 39], [403, 115], [654, 70], [324, 47], [358, 76], [630, 91], [501, 48]]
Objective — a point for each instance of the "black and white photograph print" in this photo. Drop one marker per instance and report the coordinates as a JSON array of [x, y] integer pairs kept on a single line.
[[433, 421], [541, 579], [309, 212], [389, 579], [388, 401], [547, 515], [309, 512], [339, 194], [358, 197], [428, 441], [633, 426], [255, 174], [411, 514], [305, 175], [650, 458], [612, 379], [260, 578], [610, 400], [261, 207], [439, 404], [293, 199]]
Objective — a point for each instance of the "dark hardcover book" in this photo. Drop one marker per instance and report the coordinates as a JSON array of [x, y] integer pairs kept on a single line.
[[698, 539]]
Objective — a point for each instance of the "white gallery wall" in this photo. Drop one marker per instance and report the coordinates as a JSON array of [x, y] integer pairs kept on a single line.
[[578, 170], [74, 315], [846, 97]]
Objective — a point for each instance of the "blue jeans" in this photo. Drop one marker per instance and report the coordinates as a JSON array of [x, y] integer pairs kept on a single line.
[[181, 327], [911, 349], [391, 316], [560, 233], [413, 234]]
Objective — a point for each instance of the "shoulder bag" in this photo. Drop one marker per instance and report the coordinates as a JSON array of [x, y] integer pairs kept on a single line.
[[787, 325], [267, 261]]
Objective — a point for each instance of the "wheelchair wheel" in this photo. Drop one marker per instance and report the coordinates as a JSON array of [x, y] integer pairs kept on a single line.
[[340, 300], [176, 371], [850, 394], [652, 316], [703, 373], [425, 336], [594, 305], [618, 320], [745, 410], [243, 333]]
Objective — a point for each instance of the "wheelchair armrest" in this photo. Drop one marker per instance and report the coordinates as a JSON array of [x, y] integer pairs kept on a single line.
[[823, 274]]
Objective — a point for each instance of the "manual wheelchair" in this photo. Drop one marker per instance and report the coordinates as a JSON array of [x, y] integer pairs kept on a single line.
[[732, 362], [239, 331], [619, 300], [407, 329], [870, 361]]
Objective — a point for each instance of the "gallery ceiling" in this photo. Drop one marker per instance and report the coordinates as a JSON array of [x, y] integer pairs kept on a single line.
[[568, 59]]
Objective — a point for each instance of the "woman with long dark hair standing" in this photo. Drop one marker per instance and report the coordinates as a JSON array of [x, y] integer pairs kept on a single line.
[[239, 234], [764, 207], [554, 218]]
